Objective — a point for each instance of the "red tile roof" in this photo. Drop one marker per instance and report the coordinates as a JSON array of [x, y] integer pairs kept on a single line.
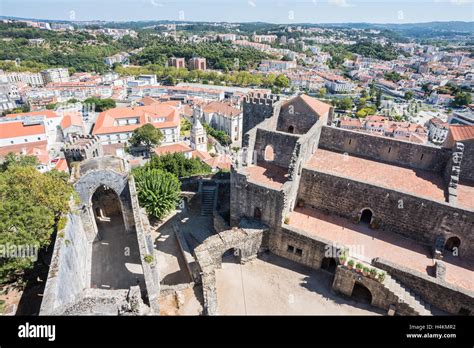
[[47, 113], [72, 119], [317, 106], [460, 133], [172, 148], [17, 129], [105, 123]]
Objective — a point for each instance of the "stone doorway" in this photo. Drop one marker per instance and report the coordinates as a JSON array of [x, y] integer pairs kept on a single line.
[[232, 255], [366, 216], [329, 264], [361, 293]]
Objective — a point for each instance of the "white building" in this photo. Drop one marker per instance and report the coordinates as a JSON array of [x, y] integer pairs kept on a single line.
[[437, 130], [33, 79], [55, 75], [224, 117]]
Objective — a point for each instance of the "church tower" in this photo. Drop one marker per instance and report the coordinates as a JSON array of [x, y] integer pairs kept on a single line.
[[198, 134]]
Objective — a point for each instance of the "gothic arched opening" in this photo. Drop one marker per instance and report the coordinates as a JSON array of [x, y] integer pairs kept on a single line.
[[115, 253], [452, 244], [361, 293], [291, 129]]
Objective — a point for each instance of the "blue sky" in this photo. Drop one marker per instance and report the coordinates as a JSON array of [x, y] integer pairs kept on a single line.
[[275, 11]]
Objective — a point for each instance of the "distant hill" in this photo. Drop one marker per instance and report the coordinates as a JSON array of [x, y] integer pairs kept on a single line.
[[427, 29]]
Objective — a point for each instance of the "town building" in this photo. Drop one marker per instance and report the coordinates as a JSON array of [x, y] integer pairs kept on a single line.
[[55, 75], [197, 63], [178, 63], [114, 127], [224, 117]]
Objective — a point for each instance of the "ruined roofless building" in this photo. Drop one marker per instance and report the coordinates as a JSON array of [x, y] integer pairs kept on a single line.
[[322, 190], [103, 260]]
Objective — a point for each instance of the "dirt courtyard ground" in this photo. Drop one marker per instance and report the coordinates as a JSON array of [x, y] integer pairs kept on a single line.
[[271, 285]]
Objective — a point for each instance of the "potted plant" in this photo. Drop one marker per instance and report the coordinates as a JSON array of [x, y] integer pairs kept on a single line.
[[365, 271], [381, 277], [359, 267], [373, 273], [342, 260], [350, 264]]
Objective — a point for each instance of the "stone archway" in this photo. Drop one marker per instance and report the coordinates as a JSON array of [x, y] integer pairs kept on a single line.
[[361, 293], [232, 255], [452, 244], [291, 129], [366, 216]]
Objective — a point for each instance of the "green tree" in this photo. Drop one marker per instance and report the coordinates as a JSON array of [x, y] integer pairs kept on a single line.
[[178, 165], [14, 160], [282, 81], [462, 99], [158, 191], [147, 135], [409, 95], [344, 103], [101, 104], [32, 205]]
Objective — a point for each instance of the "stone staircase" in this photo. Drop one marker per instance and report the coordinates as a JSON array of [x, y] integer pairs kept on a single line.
[[407, 296], [208, 197]]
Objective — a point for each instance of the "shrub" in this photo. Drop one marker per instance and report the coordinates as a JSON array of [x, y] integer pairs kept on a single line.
[[359, 266], [178, 165], [381, 277], [351, 263], [158, 191]]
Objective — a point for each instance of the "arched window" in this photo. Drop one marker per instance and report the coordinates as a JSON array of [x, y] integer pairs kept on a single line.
[[291, 129], [269, 154]]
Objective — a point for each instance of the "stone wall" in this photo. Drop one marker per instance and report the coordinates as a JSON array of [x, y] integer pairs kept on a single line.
[[313, 248], [257, 108], [146, 247], [69, 272], [418, 218], [88, 184], [345, 279], [246, 241], [384, 149], [298, 115], [447, 297], [467, 166], [246, 196], [283, 146]]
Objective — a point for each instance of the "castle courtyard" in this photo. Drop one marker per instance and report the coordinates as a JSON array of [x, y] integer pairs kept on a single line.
[[272, 285]]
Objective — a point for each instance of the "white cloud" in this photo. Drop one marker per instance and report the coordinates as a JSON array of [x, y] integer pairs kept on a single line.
[[340, 3]]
